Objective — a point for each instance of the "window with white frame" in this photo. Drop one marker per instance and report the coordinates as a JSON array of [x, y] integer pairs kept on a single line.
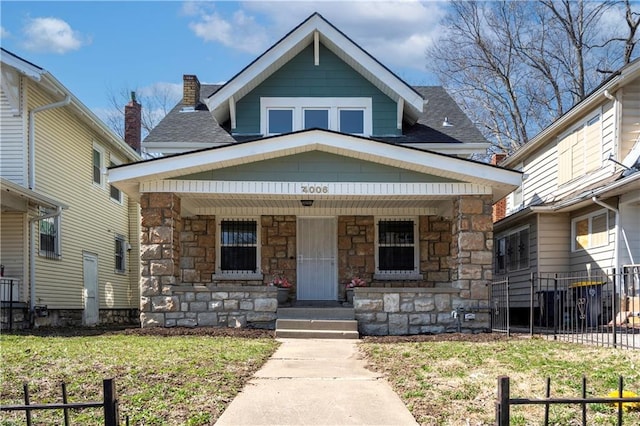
[[396, 246], [120, 254], [590, 231], [512, 251], [49, 228], [238, 246], [346, 115], [98, 164], [114, 192], [580, 149]]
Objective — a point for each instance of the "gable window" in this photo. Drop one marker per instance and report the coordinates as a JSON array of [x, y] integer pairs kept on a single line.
[[49, 228], [346, 115], [114, 192], [397, 249], [352, 121], [316, 118], [238, 252], [120, 250], [98, 164], [590, 231], [512, 251], [280, 121]]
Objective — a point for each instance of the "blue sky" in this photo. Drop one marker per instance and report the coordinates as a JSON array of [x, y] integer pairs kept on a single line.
[[98, 48]]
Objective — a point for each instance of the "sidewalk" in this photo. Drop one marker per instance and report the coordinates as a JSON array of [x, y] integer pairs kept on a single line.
[[316, 382]]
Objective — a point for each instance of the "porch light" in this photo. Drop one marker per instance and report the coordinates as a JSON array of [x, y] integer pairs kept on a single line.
[[306, 203]]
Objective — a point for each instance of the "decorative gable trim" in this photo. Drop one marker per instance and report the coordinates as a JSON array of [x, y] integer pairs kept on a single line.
[[315, 29]]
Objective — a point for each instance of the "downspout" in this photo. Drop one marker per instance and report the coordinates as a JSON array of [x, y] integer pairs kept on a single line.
[[32, 185]]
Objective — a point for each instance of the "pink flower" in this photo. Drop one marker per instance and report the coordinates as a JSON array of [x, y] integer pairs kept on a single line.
[[356, 282]]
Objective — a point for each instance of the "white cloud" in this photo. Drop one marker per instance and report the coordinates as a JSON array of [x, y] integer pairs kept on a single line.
[[51, 35], [396, 33], [4, 33]]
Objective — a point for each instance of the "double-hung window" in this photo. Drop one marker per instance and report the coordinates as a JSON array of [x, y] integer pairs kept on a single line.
[[238, 247], [120, 254], [49, 228], [397, 247], [114, 192]]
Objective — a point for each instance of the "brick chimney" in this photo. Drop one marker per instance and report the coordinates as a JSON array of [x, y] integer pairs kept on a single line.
[[133, 123], [499, 208], [190, 91]]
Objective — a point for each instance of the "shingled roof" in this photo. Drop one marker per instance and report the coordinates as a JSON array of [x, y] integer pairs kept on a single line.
[[199, 125]]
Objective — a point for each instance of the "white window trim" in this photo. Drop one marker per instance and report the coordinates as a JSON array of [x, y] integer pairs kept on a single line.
[[334, 105], [103, 156], [400, 275], [122, 238], [590, 217], [116, 162], [219, 274], [506, 236]]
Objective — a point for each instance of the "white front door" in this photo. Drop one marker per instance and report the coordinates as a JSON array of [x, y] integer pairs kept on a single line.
[[317, 247], [90, 296]]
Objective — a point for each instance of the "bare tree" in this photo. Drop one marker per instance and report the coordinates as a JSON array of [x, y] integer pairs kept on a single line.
[[517, 66], [156, 102]]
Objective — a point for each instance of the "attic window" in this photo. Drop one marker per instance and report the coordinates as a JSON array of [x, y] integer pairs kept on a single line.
[[346, 115]]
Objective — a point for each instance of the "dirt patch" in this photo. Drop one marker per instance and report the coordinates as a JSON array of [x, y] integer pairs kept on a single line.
[[152, 331], [444, 337]]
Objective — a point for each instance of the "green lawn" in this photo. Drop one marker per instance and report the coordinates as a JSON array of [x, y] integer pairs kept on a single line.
[[455, 382], [178, 380]]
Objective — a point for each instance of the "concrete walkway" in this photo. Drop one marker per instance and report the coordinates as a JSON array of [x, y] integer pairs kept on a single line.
[[316, 382]]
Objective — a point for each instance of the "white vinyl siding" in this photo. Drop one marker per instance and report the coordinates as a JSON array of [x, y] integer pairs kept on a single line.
[[13, 152], [554, 242], [92, 219]]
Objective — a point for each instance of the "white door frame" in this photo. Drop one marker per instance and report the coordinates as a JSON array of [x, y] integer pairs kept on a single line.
[[317, 276], [90, 293]]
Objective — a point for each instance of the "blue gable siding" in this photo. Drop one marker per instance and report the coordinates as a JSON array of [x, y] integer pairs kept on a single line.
[[331, 78], [315, 166]]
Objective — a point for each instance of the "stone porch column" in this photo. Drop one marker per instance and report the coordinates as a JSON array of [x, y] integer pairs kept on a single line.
[[161, 225], [472, 248]]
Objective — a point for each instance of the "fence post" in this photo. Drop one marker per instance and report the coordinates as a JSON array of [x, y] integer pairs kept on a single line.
[[502, 405], [110, 402], [532, 303], [616, 295]]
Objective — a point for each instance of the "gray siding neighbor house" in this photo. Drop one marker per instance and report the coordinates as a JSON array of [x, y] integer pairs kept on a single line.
[[317, 166]]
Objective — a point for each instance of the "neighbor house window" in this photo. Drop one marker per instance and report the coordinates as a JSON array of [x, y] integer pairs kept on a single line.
[[98, 164], [512, 251], [346, 115], [120, 250], [114, 192], [396, 246], [590, 231], [239, 246], [49, 228]]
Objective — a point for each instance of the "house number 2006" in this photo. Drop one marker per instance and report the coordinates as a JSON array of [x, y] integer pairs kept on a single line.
[[315, 189]]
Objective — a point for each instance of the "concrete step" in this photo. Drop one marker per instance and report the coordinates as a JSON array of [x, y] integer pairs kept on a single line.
[[317, 313], [304, 324], [317, 329], [316, 334]]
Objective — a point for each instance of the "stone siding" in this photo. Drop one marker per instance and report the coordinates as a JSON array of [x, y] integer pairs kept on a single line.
[[402, 311], [216, 306], [198, 249], [278, 247]]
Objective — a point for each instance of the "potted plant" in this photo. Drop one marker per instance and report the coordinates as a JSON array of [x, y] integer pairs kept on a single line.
[[355, 282], [283, 285]]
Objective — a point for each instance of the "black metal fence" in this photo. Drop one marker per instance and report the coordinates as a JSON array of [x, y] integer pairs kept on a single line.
[[599, 308], [504, 401], [109, 404]]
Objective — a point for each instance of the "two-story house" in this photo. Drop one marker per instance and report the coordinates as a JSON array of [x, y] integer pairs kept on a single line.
[[577, 212], [318, 165], [69, 241]]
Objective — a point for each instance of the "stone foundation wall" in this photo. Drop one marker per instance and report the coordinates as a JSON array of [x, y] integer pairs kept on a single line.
[[400, 311], [216, 306]]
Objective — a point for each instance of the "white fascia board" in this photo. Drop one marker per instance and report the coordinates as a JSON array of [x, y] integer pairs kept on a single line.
[[367, 150], [303, 32], [452, 148], [21, 66]]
